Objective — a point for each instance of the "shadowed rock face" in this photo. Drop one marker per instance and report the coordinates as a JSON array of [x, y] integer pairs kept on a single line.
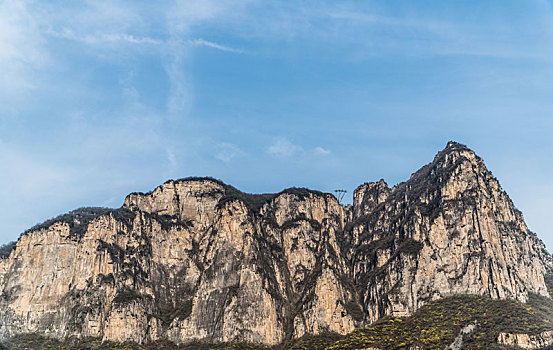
[[198, 259]]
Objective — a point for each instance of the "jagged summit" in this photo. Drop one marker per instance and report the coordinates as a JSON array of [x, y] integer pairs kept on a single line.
[[466, 229], [455, 146], [222, 184], [447, 160], [455, 149], [184, 180], [454, 161], [452, 148], [197, 259], [167, 197], [78, 219]]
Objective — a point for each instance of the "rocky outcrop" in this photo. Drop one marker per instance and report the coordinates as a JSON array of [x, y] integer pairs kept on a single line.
[[196, 259], [458, 342], [450, 229], [526, 341]]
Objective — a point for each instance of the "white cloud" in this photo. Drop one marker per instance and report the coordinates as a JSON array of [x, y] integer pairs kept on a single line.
[[319, 151], [21, 48], [104, 38], [179, 100], [172, 160], [184, 15], [180, 19], [202, 42], [283, 148], [18, 33], [125, 38], [228, 151], [94, 18], [28, 31], [425, 33]]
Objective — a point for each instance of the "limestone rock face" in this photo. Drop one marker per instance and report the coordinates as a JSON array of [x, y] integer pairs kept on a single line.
[[196, 259], [526, 341], [449, 229]]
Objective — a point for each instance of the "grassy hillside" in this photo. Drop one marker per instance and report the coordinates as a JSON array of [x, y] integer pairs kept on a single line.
[[433, 326]]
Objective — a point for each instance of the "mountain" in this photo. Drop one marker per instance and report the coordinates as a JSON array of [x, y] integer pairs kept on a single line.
[[449, 229], [198, 260]]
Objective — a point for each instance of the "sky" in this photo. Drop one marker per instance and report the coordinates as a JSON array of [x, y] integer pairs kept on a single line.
[[102, 98]]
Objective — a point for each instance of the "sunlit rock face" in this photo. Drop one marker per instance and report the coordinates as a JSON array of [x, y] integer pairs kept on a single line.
[[541, 340], [449, 229], [196, 259]]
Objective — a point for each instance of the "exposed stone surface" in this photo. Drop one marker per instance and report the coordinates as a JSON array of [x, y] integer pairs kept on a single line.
[[526, 341], [458, 342], [449, 229], [198, 259]]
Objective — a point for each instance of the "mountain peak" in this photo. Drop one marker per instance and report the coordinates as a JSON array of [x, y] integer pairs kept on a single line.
[[451, 145], [456, 148], [455, 157], [198, 260]]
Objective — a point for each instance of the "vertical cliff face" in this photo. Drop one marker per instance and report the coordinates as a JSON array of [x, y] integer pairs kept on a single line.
[[194, 259], [449, 229], [198, 259]]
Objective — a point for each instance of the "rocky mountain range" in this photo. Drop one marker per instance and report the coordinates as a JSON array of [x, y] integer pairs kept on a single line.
[[198, 260]]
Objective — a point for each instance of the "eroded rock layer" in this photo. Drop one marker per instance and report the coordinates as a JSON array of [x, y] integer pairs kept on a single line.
[[196, 259]]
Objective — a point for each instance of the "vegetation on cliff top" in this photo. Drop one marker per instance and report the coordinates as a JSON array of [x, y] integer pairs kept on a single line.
[[6, 249], [433, 326], [256, 201], [251, 200], [79, 219]]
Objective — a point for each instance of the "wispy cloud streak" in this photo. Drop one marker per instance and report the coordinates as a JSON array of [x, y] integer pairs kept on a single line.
[[202, 42], [104, 38]]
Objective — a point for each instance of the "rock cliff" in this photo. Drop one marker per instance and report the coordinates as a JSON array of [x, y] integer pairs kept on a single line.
[[196, 259], [449, 229]]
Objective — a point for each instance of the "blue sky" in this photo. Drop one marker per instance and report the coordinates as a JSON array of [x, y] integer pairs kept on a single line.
[[99, 99]]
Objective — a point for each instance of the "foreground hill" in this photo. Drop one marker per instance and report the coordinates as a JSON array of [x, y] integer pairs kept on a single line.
[[198, 260]]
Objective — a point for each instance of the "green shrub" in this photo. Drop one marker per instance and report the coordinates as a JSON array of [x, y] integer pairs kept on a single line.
[[7, 249], [126, 295]]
